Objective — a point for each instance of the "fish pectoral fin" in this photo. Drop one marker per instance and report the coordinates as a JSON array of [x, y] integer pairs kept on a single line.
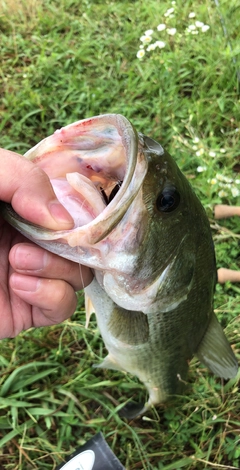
[[108, 363], [216, 353], [89, 309], [129, 326]]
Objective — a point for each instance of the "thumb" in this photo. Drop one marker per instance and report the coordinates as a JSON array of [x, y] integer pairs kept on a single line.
[[28, 189]]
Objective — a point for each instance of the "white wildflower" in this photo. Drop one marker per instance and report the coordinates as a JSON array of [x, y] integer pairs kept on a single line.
[[151, 47], [141, 46], [191, 27], [173, 3], [148, 32], [200, 169], [195, 147], [222, 193], [196, 140], [212, 154], [140, 53], [169, 12], [160, 44], [223, 150], [171, 31], [235, 192], [161, 27], [192, 14], [227, 180], [146, 39], [213, 181], [220, 177], [205, 28], [199, 24], [237, 181], [214, 417], [200, 152]]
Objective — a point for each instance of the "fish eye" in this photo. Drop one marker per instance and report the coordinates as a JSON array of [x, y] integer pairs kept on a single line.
[[168, 200]]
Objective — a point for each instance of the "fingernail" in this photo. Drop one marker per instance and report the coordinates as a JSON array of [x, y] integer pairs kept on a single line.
[[60, 214], [24, 283], [30, 259]]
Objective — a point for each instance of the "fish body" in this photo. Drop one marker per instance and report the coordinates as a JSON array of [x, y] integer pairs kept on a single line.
[[141, 228]]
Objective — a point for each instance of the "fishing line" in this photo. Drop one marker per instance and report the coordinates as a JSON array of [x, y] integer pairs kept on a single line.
[[81, 275], [78, 224], [225, 32]]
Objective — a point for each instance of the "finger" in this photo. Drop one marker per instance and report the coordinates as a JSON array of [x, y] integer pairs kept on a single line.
[[223, 211], [225, 275], [30, 192], [53, 301], [31, 260]]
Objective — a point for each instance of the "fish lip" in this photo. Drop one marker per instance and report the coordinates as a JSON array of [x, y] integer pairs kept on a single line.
[[98, 229]]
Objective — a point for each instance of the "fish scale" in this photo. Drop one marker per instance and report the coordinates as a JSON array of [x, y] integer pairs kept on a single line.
[[149, 244]]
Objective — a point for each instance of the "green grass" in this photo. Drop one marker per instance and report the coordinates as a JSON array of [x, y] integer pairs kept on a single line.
[[67, 60]]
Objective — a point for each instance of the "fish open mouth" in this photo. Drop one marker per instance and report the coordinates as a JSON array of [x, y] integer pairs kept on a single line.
[[96, 170]]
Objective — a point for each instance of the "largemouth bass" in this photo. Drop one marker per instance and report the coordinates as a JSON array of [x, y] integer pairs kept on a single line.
[[141, 228]]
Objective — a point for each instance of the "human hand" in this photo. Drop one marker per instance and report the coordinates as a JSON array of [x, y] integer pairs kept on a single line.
[[37, 288]]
